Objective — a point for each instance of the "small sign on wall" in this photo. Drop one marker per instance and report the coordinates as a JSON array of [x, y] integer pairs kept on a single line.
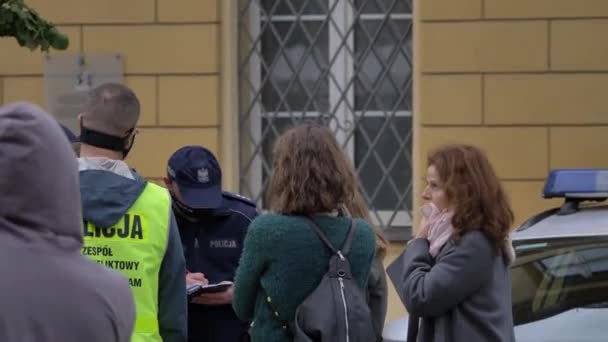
[[69, 77]]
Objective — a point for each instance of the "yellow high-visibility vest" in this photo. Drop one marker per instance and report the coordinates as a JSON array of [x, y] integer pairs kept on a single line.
[[135, 246]]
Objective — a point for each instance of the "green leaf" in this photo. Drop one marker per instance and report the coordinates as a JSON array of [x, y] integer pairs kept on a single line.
[[60, 42], [32, 31], [6, 17]]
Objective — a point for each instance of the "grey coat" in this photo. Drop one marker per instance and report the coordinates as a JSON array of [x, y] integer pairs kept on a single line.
[[377, 293], [49, 291], [462, 295]]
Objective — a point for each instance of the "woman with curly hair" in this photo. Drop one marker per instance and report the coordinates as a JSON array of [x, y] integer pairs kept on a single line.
[[283, 259], [457, 281]]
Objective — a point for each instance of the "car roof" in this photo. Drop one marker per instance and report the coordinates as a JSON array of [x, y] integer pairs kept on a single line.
[[591, 221]]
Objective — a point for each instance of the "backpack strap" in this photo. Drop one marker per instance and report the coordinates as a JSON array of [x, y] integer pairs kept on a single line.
[[320, 233], [347, 243], [349, 238]]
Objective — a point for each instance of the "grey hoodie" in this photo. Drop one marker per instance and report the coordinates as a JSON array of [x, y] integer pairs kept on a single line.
[[108, 189], [49, 291]]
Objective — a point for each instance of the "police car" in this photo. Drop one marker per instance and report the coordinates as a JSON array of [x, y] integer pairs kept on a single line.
[[560, 276]]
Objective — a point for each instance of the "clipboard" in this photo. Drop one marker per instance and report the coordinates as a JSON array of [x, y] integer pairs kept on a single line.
[[197, 289]]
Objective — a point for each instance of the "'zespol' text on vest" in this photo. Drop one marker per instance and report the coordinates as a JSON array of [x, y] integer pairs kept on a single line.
[[130, 228]]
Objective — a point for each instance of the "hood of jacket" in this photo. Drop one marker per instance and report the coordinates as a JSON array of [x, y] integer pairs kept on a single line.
[[108, 189], [39, 197]]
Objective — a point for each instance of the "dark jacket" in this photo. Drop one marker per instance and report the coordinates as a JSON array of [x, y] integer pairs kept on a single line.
[[284, 259], [49, 291], [108, 189], [377, 293], [213, 242], [463, 295]]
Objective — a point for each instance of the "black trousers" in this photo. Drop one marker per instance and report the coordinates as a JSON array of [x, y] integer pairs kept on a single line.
[[210, 323]]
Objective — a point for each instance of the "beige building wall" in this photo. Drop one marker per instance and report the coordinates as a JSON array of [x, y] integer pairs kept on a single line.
[[525, 80], [171, 53]]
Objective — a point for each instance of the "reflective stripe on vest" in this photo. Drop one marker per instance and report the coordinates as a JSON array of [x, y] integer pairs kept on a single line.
[[135, 246]]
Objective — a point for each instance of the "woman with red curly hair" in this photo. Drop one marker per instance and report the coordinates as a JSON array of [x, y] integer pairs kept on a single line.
[[457, 284]]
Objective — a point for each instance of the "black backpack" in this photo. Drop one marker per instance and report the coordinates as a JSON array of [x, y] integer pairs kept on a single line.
[[337, 309]]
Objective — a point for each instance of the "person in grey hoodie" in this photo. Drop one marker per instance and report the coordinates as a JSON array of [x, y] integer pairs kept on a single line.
[[130, 216], [456, 280], [48, 290]]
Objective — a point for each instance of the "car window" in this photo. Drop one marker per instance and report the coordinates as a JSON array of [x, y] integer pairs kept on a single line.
[[554, 276]]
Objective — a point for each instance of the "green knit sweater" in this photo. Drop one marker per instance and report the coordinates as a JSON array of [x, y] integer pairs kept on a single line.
[[283, 255]]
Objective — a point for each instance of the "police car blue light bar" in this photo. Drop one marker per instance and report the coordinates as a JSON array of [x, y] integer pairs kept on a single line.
[[577, 183]]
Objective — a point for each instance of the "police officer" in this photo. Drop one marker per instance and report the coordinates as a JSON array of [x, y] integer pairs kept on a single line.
[[128, 222], [212, 225]]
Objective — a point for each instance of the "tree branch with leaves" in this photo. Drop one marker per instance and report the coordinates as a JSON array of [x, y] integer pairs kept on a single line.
[[29, 29]]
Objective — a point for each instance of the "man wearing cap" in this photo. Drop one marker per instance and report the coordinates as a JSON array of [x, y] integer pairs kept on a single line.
[[128, 222], [212, 225]]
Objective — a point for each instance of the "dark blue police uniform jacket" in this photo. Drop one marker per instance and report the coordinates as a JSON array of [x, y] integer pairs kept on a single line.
[[213, 243]]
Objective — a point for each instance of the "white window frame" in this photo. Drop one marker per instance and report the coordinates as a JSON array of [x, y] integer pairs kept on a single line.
[[343, 72]]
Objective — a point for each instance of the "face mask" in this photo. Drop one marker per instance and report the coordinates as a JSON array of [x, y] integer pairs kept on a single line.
[[110, 142], [190, 214]]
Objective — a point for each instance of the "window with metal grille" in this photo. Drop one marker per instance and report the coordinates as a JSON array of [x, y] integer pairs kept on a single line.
[[344, 63]]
